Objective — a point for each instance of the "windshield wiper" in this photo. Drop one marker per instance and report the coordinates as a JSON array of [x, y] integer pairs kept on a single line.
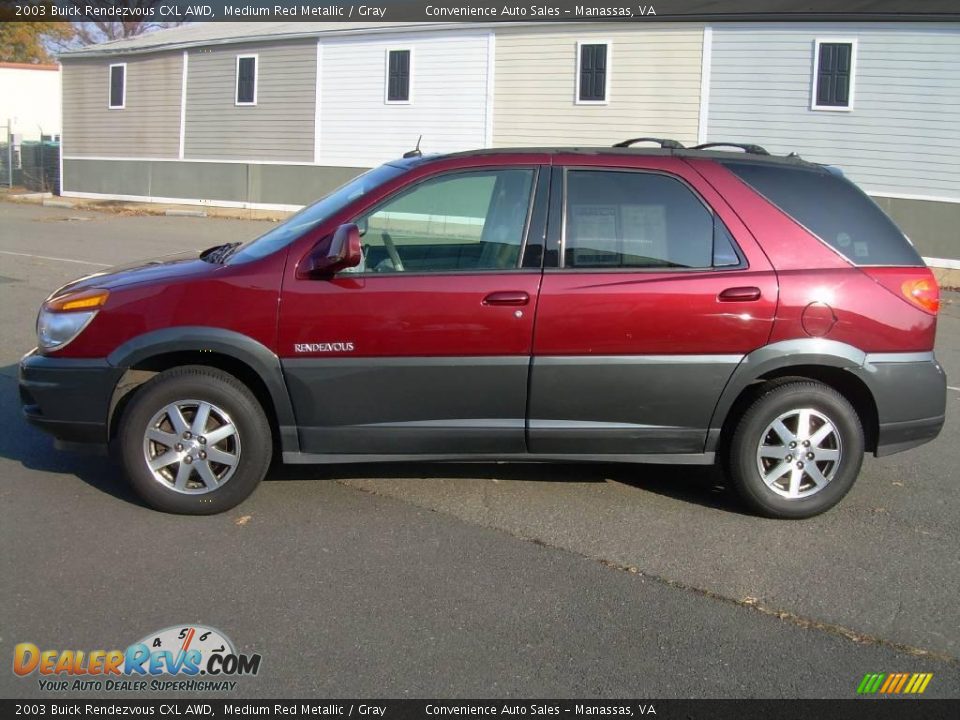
[[219, 253]]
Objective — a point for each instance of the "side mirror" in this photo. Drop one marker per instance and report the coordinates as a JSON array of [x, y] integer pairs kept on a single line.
[[344, 252]]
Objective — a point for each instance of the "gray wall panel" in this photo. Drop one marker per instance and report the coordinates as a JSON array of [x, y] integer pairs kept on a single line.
[[933, 227], [231, 182], [298, 184], [200, 181], [113, 177], [149, 125], [279, 127]]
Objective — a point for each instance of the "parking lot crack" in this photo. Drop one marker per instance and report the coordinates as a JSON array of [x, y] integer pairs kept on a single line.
[[751, 604]]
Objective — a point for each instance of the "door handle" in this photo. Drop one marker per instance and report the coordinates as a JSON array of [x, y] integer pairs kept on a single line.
[[739, 294], [507, 297]]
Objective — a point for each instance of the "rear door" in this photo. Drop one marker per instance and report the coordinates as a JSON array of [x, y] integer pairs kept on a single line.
[[424, 348], [657, 294]]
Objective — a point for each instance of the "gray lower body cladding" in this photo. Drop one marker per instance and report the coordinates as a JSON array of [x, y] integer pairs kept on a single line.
[[910, 391], [610, 405]]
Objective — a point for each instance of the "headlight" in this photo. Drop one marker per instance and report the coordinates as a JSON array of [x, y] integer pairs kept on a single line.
[[62, 318]]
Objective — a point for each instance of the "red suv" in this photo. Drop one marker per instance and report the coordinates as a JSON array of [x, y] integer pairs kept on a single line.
[[662, 305]]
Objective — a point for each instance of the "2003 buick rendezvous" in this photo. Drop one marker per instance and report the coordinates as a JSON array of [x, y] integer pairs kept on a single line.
[[663, 305]]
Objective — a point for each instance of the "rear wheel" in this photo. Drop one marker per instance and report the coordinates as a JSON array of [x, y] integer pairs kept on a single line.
[[796, 451], [194, 440]]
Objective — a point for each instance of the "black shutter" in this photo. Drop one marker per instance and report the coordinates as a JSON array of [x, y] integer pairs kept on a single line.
[[593, 72], [398, 76], [246, 79], [833, 74], [117, 81]]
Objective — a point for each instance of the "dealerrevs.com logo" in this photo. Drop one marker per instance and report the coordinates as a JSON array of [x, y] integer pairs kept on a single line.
[[177, 658]]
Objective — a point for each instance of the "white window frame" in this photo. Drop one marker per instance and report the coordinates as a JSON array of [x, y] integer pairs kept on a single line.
[[386, 77], [606, 87], [123, 100], [256, 80], [816, 74]]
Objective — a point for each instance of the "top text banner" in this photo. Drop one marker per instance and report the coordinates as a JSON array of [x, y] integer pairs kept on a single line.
[[159, 11]]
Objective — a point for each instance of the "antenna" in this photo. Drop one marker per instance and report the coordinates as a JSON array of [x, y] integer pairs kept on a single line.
[[416, 151]]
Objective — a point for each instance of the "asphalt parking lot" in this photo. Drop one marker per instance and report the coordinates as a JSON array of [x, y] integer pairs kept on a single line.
[[468, 580]]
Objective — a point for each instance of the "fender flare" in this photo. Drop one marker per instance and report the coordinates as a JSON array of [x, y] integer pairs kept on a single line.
[[778, 356], [242, 348]]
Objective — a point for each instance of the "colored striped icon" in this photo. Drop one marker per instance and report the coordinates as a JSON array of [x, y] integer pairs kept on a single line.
[[894, 683]]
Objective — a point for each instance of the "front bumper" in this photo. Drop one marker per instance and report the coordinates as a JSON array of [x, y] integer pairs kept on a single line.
[[910, 391], [68, 398]]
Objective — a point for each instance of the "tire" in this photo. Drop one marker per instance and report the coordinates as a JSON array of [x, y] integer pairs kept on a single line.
[[201, 465], [761, 448]]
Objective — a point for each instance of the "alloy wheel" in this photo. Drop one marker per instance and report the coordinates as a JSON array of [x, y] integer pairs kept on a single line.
[[799, 453], [191, 446]]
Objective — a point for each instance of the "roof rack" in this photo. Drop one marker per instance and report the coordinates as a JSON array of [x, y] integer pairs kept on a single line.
[[746, 147], [662, 142]]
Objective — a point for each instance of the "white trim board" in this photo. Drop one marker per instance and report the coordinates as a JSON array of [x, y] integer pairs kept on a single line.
[[907, 196], [183, 201], [183, 105], [491, 84], [852, 41], [607, 77], [409, 49], [706, 70], [317, 103], [256, 80], [943, 263], [102, 158], [123, 99]]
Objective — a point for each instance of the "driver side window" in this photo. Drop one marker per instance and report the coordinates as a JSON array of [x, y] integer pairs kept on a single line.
[[457, 222]]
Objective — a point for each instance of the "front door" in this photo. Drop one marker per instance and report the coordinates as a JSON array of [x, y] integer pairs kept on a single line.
[[657, 298], [425, 347]]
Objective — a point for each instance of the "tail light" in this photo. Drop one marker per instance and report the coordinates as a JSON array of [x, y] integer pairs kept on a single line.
[[916, 285]]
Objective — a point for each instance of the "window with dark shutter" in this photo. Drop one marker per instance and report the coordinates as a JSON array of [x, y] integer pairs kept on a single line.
[[398, 76], [834, 74], [593, 73], [246, 80], [118, 81]]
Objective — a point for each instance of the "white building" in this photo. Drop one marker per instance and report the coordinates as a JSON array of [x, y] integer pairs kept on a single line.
[[30, 101]]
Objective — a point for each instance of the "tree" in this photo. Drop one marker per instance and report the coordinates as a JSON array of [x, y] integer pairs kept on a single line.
[[31, 42], [89, 31]]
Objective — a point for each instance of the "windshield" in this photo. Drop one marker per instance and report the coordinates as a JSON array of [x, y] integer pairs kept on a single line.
[[312, 215]]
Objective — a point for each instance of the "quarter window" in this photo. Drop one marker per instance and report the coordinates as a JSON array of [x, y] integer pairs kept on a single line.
[[833, 89], [464, 221], [246, 80], [398, 76], [118, 86], [640, 220], [592, 73]]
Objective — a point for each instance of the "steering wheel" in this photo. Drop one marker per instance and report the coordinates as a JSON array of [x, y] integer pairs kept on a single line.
[[392, 252]]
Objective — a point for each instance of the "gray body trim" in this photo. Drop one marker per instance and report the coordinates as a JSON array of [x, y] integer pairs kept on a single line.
[[657, 408], [235, 345], [294, 458], [409, 405], [624, 404], [909, 389]]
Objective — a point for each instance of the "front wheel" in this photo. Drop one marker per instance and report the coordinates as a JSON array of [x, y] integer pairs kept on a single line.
[[194, 440], [796, 451]]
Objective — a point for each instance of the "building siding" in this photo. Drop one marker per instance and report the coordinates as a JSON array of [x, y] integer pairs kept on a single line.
[[279, 127], [149, 125], [448, 97], [654, 85], [902, 136]]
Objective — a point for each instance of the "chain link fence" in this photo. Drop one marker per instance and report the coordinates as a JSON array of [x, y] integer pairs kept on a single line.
[[32, 165]]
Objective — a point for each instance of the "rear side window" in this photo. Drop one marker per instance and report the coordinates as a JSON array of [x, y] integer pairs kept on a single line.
[[622, 219], [834, 209]]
